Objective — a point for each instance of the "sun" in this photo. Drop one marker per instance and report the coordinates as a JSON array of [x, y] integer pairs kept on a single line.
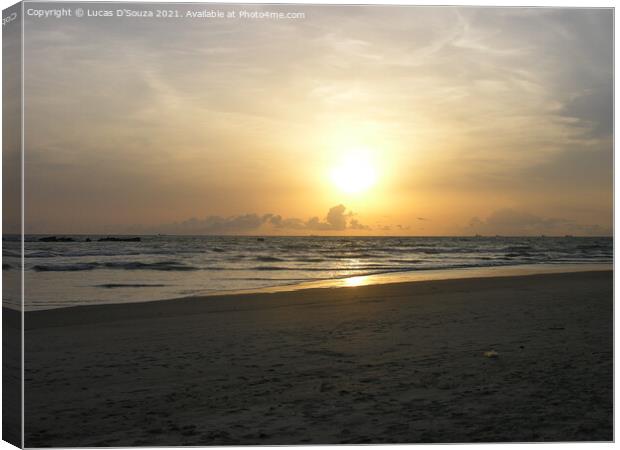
[[355, 173]]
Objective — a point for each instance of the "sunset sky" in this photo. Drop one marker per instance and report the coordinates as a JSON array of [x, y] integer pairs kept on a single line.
[[353, 120]]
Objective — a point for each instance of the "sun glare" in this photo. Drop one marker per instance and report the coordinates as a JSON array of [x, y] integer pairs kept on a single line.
[[355, 173]]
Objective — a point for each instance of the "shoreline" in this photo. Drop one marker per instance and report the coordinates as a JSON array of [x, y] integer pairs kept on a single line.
[[382, 363], [411, 276], [374, 279], [73, 315]]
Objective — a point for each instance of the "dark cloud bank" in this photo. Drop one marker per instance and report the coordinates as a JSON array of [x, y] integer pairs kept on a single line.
[[507, 222], [517, 223], [337, 219]]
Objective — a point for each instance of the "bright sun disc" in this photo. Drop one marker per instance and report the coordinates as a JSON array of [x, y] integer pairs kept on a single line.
[[354, 174]]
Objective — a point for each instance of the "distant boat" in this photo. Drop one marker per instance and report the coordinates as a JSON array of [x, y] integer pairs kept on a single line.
[[260, 239]]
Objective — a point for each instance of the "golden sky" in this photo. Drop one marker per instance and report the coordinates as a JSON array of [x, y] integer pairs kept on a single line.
[[445, 121]]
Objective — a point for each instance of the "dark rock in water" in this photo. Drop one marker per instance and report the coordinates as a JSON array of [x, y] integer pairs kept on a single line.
[[56, 239], [260, 239], [87, 240], [116, 239]]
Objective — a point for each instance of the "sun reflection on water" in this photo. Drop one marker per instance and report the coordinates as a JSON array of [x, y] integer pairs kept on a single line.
[[356, 281]]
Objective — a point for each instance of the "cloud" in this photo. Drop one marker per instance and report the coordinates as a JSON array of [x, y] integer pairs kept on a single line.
[[354, 224], [515, 223], [336, 219], [213, 225], [593, 110], [290, 224]]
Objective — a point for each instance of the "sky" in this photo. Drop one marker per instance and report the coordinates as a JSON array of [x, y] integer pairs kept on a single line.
[[353, 120]]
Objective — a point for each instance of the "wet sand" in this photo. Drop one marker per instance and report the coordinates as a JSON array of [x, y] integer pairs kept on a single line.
[[370, 364]]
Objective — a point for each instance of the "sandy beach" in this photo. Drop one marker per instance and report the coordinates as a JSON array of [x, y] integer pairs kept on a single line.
[[371, 364]]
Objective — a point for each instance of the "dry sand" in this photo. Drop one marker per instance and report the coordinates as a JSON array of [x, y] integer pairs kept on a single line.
[[387, 363]]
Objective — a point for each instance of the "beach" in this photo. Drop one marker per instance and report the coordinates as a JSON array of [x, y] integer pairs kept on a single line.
[[401, 362]]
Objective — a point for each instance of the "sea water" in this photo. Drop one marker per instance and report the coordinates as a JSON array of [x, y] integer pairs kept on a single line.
[[88, 271]]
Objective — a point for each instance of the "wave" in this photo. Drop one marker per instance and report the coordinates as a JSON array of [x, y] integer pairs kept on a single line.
[[128, 285], [516, 248], [593, 247], [269, 259], [310, 260], [362, 268], [104, 252], [164, 266], [366, 271], [407, 261], [41, 254], [64, 267], [333, 256]]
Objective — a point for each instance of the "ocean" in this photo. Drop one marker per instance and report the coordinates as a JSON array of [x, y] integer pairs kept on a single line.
[[88, 271]]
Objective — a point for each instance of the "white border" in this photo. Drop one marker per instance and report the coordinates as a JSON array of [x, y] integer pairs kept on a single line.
[[546, 3]]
